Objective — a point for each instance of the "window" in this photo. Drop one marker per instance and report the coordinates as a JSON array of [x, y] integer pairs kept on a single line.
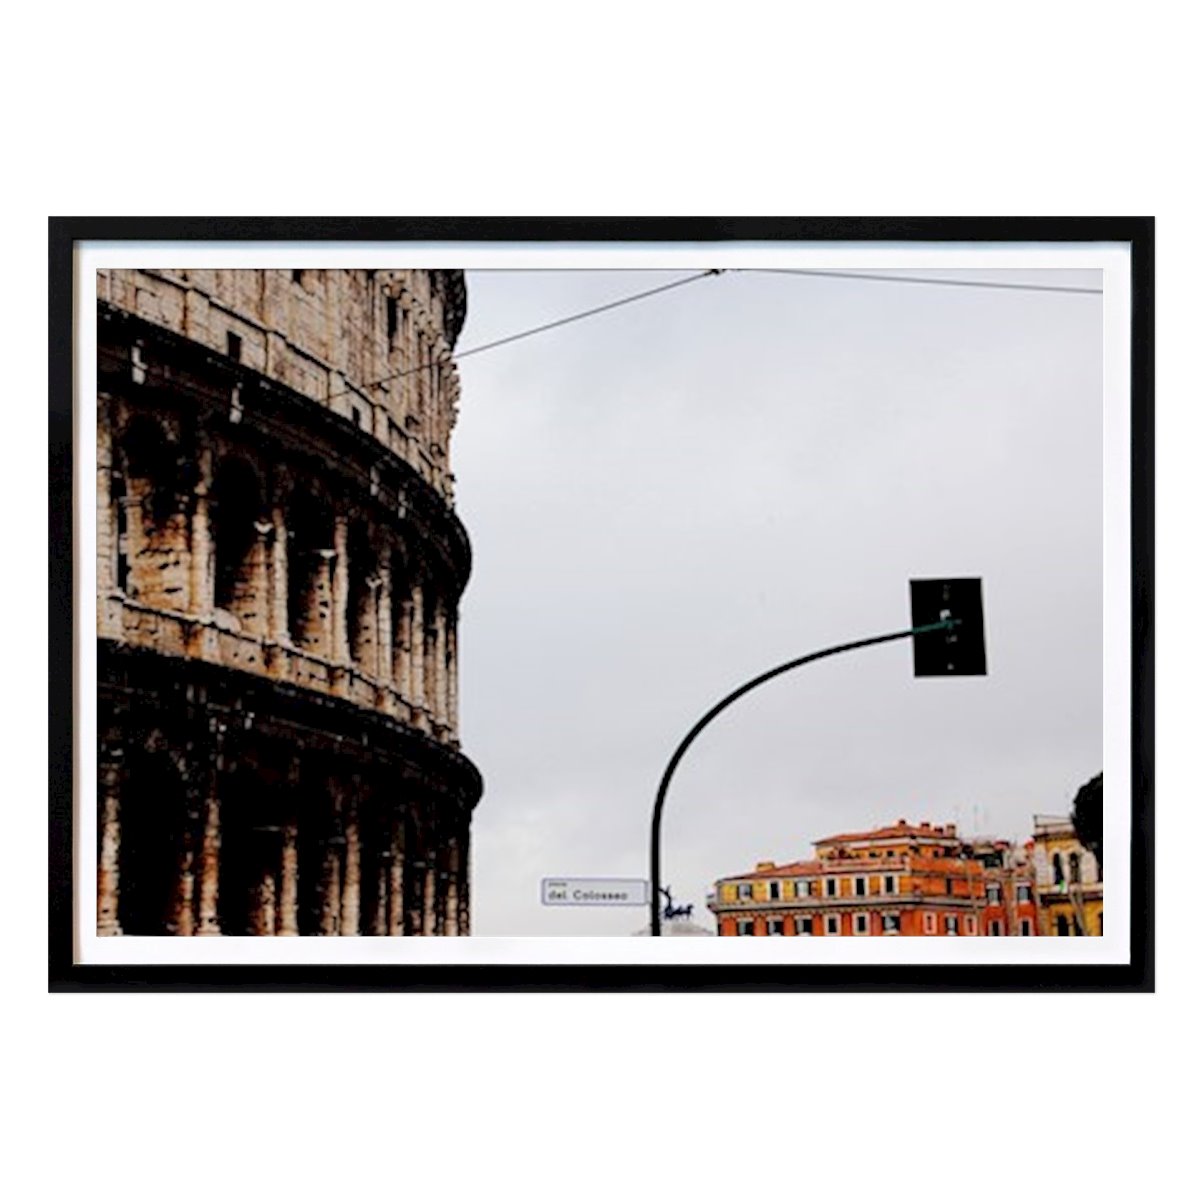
[[804, 926], [775, 927], [993, 893], [1062, 926], [745, 891], [949, 887], [994, 928], [745, 929], [801, 888], [830, 887], [1026, 927], [774, 890], [860, 885], [297, 276], [1073, 866], [233, 346], [889, 885], [891, 922], [929, 922], [833, 925], [952, 927], [393, 322], [862, 923], [1056, 863], [1023, 893], [970, 926]]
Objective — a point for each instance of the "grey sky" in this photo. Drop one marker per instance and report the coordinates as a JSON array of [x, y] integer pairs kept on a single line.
[[667, 499]]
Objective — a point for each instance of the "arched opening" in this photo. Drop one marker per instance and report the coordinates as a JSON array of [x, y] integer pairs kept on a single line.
[[240, 551], [1073, 866], [1057, 867], [362, 608], [310, 573], [1062, 925], [151, 488], [250, 891], [154, 826]]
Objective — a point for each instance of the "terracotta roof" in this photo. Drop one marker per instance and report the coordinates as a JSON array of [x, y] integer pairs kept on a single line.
[[808, 867], [890, 832]]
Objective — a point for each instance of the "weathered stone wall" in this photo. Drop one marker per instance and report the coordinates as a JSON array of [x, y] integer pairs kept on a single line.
[[372, 345], [270, 535]]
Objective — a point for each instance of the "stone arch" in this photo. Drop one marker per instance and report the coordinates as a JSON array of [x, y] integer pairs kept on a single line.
[[362, 607], [252, 823], [310, 525], [151, 490], [239, 530], [154, 837]]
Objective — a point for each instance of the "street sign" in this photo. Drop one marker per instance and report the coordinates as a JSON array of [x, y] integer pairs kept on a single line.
[[599, 892], [957, 651]]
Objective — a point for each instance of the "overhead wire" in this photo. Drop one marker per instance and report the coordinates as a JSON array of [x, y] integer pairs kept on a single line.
[[689, 279], [526, 333]]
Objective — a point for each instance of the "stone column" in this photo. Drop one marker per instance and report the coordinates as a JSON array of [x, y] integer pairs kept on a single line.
[[182, 922], [417, 654], [261, 576], [383, 611], [289, 892], [201, 580], [452, 674], [450, 924], [340, 646], [277, 625], [396, 880], [210, 850], [108, 871], [262, 920], [106, 524], [439, 704], [464, 883], [402, 666], [351, 879], [331, 890], [135, 542], [429, 900], [328, 620]]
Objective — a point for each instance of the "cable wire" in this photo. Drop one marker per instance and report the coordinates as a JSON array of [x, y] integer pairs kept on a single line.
[[978, 283], [526, 333]]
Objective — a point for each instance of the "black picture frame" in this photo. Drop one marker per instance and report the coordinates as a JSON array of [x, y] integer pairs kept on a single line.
[[66, 974]]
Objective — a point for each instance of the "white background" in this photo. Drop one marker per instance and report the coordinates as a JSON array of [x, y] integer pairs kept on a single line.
[[517, 109]]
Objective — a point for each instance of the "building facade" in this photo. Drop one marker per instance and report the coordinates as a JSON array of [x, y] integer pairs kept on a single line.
[[902, 880], [1069, 886], [279, 567]]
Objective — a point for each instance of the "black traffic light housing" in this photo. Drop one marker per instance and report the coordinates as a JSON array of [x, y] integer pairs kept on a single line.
[[956, 651]]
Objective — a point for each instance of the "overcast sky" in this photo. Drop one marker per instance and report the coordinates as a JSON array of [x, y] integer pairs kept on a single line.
[[667, 499]]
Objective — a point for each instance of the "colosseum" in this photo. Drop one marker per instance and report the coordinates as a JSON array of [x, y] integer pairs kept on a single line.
[[279, 568]]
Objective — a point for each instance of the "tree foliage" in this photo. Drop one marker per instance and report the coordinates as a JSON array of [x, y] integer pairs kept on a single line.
[[1087, 815]]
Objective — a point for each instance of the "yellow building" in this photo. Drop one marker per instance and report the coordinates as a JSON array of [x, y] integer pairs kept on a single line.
[[1070, 890]]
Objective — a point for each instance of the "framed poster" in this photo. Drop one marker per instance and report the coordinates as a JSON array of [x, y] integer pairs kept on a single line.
[[396, 563]]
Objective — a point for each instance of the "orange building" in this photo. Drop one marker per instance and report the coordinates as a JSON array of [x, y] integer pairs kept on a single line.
[[906, 880]]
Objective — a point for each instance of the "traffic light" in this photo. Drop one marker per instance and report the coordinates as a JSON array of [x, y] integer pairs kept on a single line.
[[956, 651]]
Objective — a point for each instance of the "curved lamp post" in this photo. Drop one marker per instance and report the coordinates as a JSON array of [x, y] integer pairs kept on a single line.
[[961, 653]]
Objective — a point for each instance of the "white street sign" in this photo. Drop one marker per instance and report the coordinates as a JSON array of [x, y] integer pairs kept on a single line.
[[604, 892]]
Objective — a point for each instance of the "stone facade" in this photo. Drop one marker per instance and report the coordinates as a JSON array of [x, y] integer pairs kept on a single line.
[[278, 576]]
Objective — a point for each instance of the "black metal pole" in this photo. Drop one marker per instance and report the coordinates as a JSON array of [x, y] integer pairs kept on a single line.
[[720, 707]]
